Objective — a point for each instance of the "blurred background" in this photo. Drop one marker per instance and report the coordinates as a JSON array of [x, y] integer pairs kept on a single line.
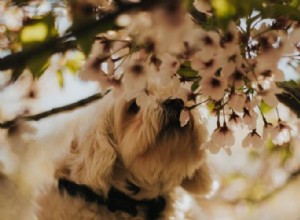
[[251, 183]]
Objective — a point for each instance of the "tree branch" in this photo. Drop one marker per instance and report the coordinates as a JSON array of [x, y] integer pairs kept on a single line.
[[69, 107], [63, 43]]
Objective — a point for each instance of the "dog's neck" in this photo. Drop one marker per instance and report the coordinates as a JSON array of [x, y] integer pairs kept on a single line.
[[115, 200]]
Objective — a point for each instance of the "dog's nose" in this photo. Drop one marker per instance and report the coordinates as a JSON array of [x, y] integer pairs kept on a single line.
[[172, 110], [174, 105]]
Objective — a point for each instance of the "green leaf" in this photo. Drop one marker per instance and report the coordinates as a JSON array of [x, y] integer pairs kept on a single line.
[[294, 3], [20, 2], [210, 106], [278, 10], [75, 62], [186, 71], [290, 96], [290, 87], [86, 41], [265, 108], [224, 8], [186, 64], [34, 33], [60, 78], [38, 64], [198, 16], [211, 23], [16, 73], [37, 31], [195, 86], [83, 15]]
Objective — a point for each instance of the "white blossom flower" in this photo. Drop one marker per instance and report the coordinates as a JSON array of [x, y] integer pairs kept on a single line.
[[124, 20], [186, 95], [268, 131], [203, 5], [92, 72], [205, 62], [237, 101], [145, 100], [253, 139], [269, 97], [228, 69], [169, 66], [135, 77], [169, 63], [230, 41], [213, 86], [281, 134], [12, 18], [209, 40], [236, 78], [212, 147], [250, 118], [268, 93], [235, 122], [223, 136], [227, 150], [251, 103], [184, 117], [199, 39], [266, 65], [295, 36]]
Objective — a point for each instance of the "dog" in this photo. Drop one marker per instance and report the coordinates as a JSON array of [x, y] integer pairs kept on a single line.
[[124, 161], [128, 162]]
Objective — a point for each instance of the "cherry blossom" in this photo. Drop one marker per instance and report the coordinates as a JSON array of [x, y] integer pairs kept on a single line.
[[212, 147], [184, 117], [268, 131], [213, 86], [250, 118], [235, 122], [223, 136], [281, 134], [203, 5], [237, 101], [253, 139], [235, 81], [176, 50]]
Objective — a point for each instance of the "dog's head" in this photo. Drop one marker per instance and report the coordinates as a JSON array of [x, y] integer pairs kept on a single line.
[[143, 152]]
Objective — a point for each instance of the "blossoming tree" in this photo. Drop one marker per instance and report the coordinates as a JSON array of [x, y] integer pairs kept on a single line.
[[221, 55]]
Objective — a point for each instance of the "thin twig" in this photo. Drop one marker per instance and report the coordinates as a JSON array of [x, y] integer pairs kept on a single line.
[[262, 32], [69, 107], [197, 104]]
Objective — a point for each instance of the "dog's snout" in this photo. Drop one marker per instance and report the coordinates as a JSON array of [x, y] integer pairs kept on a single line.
[[174, 104], [172, 109]]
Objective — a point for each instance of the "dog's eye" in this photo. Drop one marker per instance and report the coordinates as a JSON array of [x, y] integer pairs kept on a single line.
[[133, 107]]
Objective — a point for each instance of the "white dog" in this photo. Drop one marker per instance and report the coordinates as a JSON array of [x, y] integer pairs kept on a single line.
[[127, 162]]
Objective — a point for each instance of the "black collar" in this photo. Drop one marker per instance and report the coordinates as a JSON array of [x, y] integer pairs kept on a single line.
[[115, 200]]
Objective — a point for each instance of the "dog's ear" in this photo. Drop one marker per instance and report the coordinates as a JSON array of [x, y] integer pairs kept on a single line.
[[200, 183], [94, 162]]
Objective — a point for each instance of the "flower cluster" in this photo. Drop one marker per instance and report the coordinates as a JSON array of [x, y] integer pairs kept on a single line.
[[174, 47], [233, 71]]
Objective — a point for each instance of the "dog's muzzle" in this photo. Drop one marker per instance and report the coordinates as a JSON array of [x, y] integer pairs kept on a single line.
[[172, 109]]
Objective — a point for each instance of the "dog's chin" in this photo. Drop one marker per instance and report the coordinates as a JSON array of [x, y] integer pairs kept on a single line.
[[155, 163]]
